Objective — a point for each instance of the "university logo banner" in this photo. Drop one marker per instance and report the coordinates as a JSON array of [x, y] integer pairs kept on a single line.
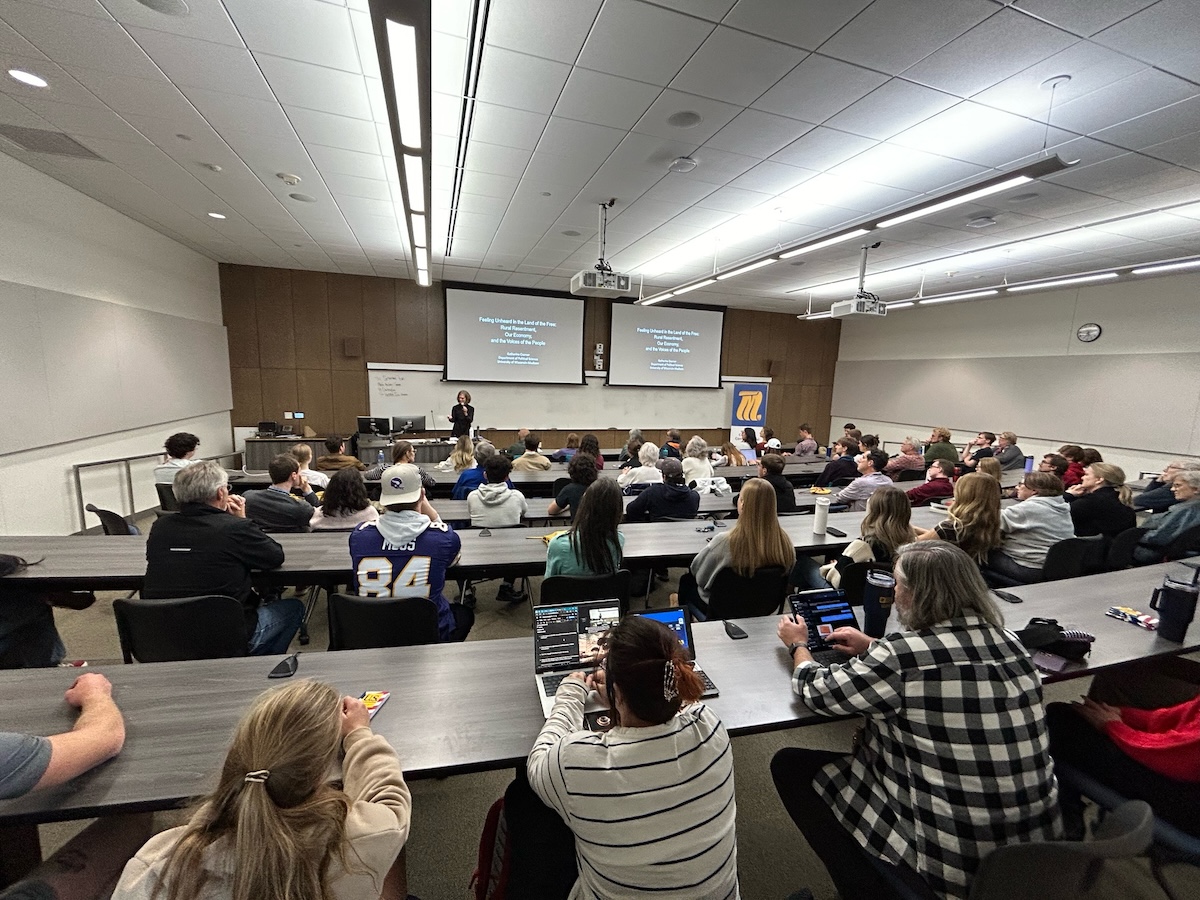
[[749, 406]]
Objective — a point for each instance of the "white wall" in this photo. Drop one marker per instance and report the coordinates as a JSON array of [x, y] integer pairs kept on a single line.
[[53, 237], [1014, 363]]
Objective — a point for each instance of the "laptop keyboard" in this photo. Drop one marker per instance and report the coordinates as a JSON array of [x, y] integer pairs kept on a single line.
[[829, 657], [551, 682]]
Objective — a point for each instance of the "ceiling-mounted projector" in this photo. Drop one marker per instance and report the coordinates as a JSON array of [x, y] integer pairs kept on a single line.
[[594, 283], [863, 304]]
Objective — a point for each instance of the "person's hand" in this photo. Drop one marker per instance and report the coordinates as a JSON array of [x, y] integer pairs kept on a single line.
[[88, 687], [578, 676], [598, 682], [304, 486], [235, 504], [1076, 489], [850, 641], [354, 715], [1097, 714], [792, 630]]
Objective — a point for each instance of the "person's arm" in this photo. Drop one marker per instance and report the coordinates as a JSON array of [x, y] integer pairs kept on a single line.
[[544, 766], [558, 505], [870, 681], [709, 561], [425, 508], [371, 773], [98, 735], [638, 506]]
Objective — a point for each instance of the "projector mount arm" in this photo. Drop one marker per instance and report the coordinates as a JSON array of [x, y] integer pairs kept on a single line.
[[863, 293], [602, 264]]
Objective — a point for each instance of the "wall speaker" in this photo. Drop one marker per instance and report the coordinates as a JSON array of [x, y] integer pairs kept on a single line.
[[352, 347]]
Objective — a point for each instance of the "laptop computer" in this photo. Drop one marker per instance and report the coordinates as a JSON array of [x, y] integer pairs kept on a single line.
[[823, 611], [679, 620], [566, 639]]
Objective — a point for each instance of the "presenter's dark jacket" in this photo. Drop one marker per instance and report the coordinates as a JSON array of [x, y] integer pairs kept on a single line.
[[662, 501], [1100, 512], [203, 550], [460, 422], [280, 511], [785, 492]]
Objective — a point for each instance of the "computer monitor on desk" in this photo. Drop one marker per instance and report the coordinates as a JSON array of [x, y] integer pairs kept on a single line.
[[374, 425], [407, 424], [267, 429]]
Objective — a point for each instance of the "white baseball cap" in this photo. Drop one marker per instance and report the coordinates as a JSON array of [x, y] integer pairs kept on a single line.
[[400, 484]]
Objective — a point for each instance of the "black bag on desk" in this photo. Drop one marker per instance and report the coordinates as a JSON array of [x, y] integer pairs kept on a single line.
[[1048, 635]]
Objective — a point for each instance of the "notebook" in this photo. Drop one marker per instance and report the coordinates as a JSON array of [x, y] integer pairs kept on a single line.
[[679, 620], [823, 611], [566, 639]]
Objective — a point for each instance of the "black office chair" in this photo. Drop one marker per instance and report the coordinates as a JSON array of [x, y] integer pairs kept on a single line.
[[1187, 544], [1074, 557], [841, 482], [559, 484], [166, 498], [1120, 550], [566, 588], [364, 623], [735, 596], [111, 522], [911, 475], [853, 579], [206, 627]]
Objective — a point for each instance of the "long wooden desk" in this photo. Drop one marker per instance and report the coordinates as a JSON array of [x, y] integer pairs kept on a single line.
[[710, 504], [460, 707]]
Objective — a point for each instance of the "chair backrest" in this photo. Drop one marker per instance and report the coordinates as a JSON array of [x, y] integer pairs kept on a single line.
[[1187, 544], [566, 588], [111, 522], [911, 475], [559, 484], [853, 579], [1073, 557], [206, 627], [363, 623], [166, 497], [1033, 871], [1120, 549], [735, 596], [841, 482]]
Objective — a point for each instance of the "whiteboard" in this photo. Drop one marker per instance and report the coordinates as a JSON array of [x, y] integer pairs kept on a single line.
[[398, 389], [76, 367]]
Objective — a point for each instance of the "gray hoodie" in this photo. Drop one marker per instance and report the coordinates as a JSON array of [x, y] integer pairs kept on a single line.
[[400, 528], [496, 506], [1030, 528]]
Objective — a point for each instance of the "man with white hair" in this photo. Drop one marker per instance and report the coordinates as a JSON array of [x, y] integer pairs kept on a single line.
[[908, 460], [1157, 496]]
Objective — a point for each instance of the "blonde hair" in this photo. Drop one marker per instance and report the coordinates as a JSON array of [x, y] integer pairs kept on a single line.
[[888, 521], [733, 456], [975, 516], [757, 540], [283, 832], [1113, 477], [572, 441], [463, 455], [303, 454], [941, 432], [990, 466], [1009, 436]]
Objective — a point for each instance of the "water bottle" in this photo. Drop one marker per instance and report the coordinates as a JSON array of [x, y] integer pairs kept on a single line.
[[878, 594], [379, 458], [1029, 464], [821, 516]]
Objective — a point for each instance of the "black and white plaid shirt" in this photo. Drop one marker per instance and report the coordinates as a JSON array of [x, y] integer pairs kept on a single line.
[[954, 758]]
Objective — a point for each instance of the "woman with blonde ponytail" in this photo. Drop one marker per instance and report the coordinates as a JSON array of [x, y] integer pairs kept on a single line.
[[275, 827], [1102, 502]]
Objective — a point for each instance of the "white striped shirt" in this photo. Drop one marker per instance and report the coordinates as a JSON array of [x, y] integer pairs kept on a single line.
[[652, 809]]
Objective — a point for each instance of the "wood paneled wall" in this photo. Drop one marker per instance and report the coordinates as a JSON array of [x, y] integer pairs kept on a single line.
[[301, 340]]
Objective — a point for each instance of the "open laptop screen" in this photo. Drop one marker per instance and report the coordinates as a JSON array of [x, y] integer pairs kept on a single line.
[[567, 635], [676, 619]]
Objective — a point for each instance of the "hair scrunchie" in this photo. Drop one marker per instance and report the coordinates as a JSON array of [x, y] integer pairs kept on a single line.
[[258, 776]]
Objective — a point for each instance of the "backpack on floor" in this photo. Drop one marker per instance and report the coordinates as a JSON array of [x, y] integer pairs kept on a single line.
[[490, 878]]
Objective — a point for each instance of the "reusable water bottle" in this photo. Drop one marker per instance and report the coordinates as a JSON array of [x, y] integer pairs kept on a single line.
[[877, 602], [1029, 464], [1175, 603], [821, 518]]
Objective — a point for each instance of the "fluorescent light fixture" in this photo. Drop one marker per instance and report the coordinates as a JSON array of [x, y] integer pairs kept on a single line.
[[696, 286], [422, 258], [1167, 267], [423, 278], [902, 304], [956, 201], [28, 78], [650, 301], [414, 175], [968, 295], [418, 227], [216, 215], [402, 47], [828, 242], [1061, 282], [744, 269], [824, 315]]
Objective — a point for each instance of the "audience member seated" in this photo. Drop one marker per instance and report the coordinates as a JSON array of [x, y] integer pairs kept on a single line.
[[990, 467], [517, 447], [651, 804], [842, 465], [1157, 496], [407, 551], [770, 470], [646, 473], [210, 547], [1102, 503], [695, 460], [1011, 457], [1074, 456], [631, 462], [590, 444], [909, 459], [756, 541], [275, 826], [669, 499], [304, 455], [806, 446], [497, 505], [469, 479], [774, 445], [180, 447], [932, 783], [567, 452], [729, 456], [277, 508], [345, 504], [768, 435], [1029, 528], [28, 636], [402, 452], [335, 457], [982, 443], [855, 436], [885, 528], [581, 475], [974, 520], [461, 457], [870, 468], [868, 442], [939, 446], [629, 451], [531, 460], [937, 484], [671, 447], [849, 427], [1166, 526], [748, 444], [1091, 455], [594, 543]]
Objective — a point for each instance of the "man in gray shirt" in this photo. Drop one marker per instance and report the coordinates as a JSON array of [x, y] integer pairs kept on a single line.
[[870, 466]]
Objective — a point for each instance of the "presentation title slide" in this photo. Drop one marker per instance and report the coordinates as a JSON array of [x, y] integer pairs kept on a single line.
[[517, 333], [668, 341]]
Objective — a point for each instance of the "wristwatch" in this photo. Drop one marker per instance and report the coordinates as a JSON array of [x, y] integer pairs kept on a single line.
[[792, 648]]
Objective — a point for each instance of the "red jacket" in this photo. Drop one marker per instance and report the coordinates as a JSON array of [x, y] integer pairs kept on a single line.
[[1165, 740], [934, 489], [1073, 475]]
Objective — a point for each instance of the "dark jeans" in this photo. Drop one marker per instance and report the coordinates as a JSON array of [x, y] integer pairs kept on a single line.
[[847, 861], [464, 619], [541, 846], [1002, 565]]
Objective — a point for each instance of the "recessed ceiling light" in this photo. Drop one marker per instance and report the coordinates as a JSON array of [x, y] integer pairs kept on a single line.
[[28, 78], [685, 118], [571, 233], [682, 164], [216, 215], [288, 178], [303, 198], [167, 7]]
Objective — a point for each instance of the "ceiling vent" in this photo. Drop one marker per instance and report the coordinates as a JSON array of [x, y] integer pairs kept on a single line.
[[38, 140]]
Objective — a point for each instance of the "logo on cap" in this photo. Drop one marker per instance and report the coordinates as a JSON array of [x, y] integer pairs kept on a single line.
[[396, 483]]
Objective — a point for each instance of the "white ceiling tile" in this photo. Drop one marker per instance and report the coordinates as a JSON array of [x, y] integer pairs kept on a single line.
[[736, 67], [13, 113], [13, 43], [508, 127], [494, 159], [979, 134], [85, 121], [757, 134], [678, 188], [90, 8], [520, 81], [231, 112], [719, 167], [194, 63], [1182, 151], [823, 148], [631, 39], [447, 63], [1127, 177], [906, 168], [204, 21], [894, 35], [890, 109], [735, 200], [82, 41], [604, 99], [334, 131], [1083, 17], [1162, 34], [819, 87], [714, 115], [1155, 127], [299, 84], [559, 32], [772, 178], [352, 186], [147, 96], [489, 185], [806, 25], [304, 30], [1132, 96]]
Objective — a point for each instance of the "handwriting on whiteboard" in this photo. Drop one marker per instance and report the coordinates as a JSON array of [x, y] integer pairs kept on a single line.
[[391, 384]]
